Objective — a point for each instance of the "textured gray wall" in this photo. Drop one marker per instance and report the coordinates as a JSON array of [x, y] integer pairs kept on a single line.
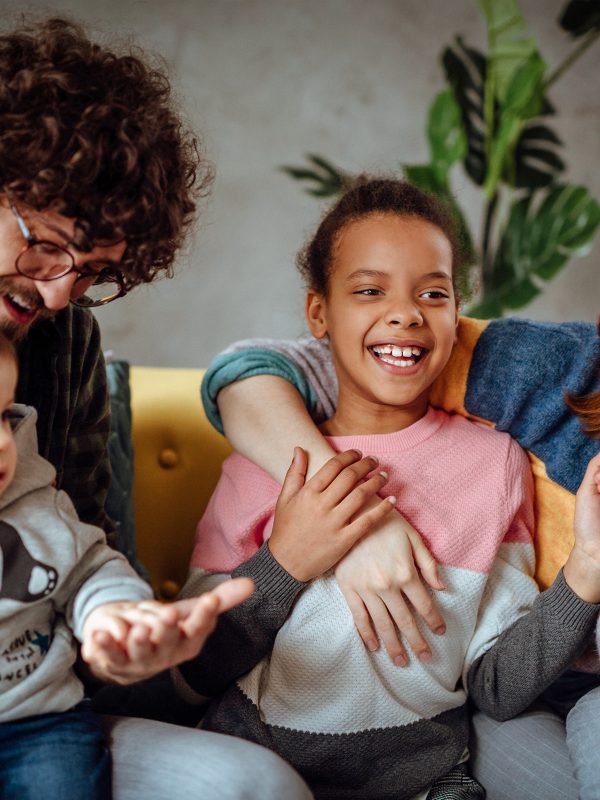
[[265, 81]]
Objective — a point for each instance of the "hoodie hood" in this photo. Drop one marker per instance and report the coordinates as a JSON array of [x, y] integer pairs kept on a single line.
[[32, 471]]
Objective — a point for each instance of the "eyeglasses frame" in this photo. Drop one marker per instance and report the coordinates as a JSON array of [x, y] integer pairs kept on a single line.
[[31, 241]]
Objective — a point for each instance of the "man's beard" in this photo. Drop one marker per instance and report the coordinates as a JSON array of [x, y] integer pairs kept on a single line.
[[15, 330]]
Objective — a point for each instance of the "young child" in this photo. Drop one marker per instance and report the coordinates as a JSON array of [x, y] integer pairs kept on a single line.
[[381, 274], [59, 580]]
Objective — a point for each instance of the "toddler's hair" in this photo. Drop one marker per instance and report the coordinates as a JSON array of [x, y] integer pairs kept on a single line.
[[7, 349], [587, 408], [369, 195]]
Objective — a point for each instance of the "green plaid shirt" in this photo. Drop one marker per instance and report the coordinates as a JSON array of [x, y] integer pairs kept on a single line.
[[62, 374]]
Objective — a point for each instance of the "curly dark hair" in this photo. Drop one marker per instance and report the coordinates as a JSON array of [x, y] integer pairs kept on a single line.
[[93, 134], [372, 195]]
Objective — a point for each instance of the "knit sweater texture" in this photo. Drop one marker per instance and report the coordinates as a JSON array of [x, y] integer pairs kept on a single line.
[[298, 678]]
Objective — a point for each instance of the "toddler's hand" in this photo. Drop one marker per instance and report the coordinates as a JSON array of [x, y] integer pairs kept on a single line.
[[127, 642], [582, 570]]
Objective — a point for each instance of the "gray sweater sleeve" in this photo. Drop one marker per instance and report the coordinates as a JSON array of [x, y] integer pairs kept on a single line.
[[305, 363], [245, 634], [532, 652]]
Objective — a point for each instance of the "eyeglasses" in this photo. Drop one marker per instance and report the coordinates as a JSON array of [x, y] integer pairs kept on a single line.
[[41, 260]]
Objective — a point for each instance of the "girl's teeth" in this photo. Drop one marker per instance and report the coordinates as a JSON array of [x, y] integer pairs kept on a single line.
[[394, 362]]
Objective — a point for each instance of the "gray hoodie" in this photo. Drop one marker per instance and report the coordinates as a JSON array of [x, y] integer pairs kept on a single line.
[[54, 570]]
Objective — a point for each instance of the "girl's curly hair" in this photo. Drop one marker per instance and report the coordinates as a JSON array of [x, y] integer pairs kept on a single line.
[[93, 134], [376, 195]]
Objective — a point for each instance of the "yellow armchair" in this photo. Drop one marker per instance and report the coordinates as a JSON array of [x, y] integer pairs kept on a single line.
[[178, 456]]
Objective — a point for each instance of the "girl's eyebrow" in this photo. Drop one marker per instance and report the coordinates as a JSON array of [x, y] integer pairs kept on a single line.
[[376, 273], [437, 276], [366, 273]]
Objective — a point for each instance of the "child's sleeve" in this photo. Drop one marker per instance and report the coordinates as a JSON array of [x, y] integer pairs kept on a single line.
[[230, 542], [98, 575], [245, 634], [238, 517], [523, 640], [305, 363]]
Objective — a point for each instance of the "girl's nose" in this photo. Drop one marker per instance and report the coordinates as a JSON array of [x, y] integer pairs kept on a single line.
[[405, 315], [57, 294]]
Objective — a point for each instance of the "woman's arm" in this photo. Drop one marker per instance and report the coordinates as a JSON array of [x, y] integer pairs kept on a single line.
[[264, 417]]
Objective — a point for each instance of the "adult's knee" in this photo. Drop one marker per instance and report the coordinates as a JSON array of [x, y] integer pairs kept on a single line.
[[155, 760]]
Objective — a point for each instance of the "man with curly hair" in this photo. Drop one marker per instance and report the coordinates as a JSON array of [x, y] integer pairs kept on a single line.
[[98, 185]]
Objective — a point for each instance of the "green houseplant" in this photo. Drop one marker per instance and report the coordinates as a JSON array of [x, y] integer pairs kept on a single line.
[[494, 118]]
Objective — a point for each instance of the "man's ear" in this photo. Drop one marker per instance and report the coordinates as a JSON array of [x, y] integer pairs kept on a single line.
[[316, 315]]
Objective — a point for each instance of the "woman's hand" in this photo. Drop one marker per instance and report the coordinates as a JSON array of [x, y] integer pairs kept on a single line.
[[317, 521], [382, 580], [582, 570]]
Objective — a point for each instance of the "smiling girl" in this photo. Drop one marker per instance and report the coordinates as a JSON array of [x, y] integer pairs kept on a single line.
[[381, 275]]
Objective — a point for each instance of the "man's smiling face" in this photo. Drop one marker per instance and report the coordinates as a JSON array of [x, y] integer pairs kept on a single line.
[[23, 300]]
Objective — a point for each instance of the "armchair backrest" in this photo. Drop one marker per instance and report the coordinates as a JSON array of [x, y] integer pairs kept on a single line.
[[178, 457]]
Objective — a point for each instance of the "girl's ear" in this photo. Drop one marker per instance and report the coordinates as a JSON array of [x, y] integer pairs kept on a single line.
[[316, 314]]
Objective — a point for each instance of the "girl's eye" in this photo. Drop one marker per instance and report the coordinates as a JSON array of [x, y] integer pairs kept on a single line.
[[435, 294], [368, 292]]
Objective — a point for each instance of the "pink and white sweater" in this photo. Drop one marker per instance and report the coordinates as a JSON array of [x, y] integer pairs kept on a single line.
[[289, 667]]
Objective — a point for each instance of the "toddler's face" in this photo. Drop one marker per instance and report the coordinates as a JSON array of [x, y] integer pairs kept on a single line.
[[8, 450]]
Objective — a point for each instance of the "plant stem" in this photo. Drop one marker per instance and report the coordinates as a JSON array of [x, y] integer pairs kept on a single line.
[[576, 53], [487, 261]]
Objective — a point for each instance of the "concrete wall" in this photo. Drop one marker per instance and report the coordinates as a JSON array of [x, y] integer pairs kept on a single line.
[[265, 81]]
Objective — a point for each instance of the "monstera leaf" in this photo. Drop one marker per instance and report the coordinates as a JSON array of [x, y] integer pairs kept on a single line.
[[447, 146], [536, 160], [540, 236], [492, 118], [523, 100], [581, 17], [445, 134], [465, 70], [509, 49], [326, 179]]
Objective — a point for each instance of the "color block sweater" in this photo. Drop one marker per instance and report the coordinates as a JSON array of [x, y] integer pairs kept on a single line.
[[290, 669]]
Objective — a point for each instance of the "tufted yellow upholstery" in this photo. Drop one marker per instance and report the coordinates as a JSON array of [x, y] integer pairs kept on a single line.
[[178, 456]]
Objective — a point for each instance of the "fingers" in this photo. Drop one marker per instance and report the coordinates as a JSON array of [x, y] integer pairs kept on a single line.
[[232, 593], [425, 562], [329, 471], [367, 520], [592, 474], [352, 477], [295, 476], [100, 648], [424, 605], [384, 624], [200, 614], [362, 620], [112, 624]]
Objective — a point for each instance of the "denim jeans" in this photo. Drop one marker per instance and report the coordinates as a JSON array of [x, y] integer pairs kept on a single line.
[[55, 756]]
